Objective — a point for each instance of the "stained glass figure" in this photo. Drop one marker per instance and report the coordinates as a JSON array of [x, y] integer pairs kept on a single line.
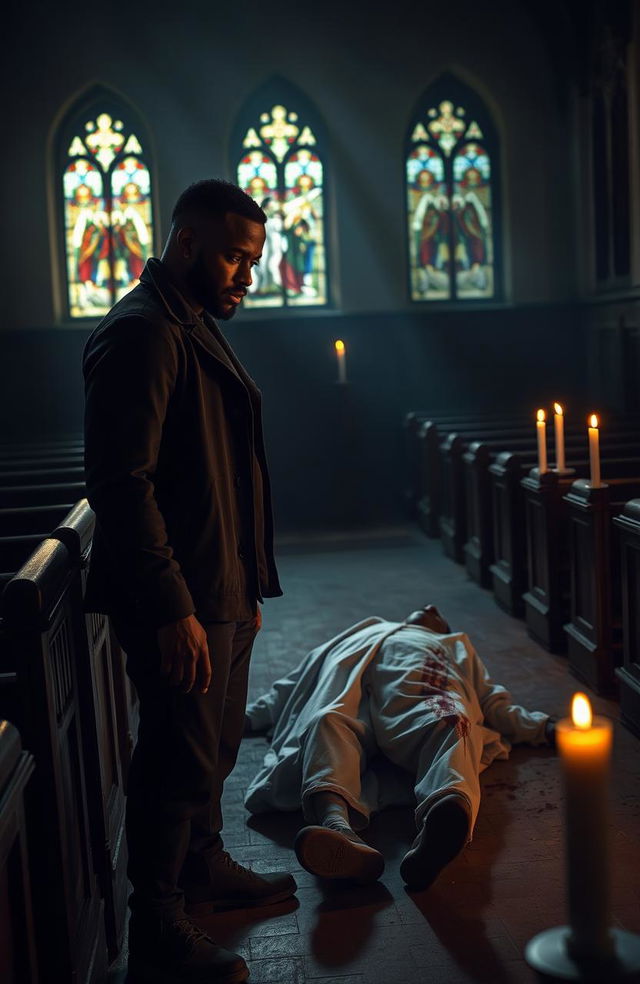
[[281, 168], [450, 201], [471, 214], [107, 213]]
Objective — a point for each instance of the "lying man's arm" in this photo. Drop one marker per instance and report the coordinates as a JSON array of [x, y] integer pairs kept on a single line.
[[511, 720]]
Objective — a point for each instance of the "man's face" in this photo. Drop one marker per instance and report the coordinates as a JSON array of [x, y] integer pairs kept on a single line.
[[224, 254]]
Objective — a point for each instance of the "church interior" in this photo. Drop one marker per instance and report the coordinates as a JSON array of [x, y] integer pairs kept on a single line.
[[445, 329]]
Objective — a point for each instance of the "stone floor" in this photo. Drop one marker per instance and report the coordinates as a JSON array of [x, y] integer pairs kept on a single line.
[[473, 923]]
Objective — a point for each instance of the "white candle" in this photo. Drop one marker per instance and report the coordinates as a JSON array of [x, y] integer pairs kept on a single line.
[[594, 451], [558, 421], [341, 354], [584, 744], [541, 427]]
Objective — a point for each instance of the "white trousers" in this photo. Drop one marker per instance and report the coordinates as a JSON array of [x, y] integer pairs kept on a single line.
[[339, 748]]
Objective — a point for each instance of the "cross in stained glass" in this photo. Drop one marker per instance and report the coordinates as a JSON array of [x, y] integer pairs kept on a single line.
[[104, 139], [279, 132], [447, 127]]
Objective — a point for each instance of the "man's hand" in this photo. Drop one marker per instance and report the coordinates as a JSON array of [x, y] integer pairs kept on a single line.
[[184, 654]]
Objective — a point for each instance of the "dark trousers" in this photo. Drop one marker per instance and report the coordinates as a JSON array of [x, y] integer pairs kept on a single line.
[[187, 746]]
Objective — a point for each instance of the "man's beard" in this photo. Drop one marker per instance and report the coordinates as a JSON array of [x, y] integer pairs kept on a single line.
[[199, 282]]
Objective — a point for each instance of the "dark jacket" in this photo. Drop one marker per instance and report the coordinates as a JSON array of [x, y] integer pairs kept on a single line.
[[175, 465]]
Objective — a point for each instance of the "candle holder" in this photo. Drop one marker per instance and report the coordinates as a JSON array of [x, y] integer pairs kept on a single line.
[[550, 954], [588, 949], [563, 472]]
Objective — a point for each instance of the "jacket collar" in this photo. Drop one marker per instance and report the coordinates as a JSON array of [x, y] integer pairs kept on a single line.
[[156, 277], [202, 328]]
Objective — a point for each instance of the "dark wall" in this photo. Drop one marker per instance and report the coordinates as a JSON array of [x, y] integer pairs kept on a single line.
[[336, 452], [189, 68]]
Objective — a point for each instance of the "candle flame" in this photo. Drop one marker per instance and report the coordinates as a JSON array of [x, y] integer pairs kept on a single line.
[[593, 420], [558, 409], [340, 346], [542, 416], [581, 711]]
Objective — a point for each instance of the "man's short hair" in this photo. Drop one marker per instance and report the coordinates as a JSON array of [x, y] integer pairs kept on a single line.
[[215, 197]]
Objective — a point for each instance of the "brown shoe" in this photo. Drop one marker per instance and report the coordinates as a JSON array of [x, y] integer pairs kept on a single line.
[[232, 886], [445, 831], [175, 951], [332, 853]]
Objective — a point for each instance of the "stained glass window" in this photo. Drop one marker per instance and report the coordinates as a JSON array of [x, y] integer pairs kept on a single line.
[[452, 198], [107, 208], [280, 164]]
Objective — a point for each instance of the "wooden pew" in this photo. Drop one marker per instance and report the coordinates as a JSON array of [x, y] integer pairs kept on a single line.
[[477, 459], [76, 531], [32, 519], [509, 567], [21, 532], [627, 526], [455, 474], [593, 630], [19, 496], [34, 524], [107, 738], [41, 694], [14, 551], [110, 725], [430, 437], [427, 435], [42, 462], [464, 463], [546, 599], [413, 424], [18, 962], [63, 447], [41, 476], [442, 507]]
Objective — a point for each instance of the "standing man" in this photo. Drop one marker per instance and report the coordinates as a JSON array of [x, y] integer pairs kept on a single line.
[[183, 552]]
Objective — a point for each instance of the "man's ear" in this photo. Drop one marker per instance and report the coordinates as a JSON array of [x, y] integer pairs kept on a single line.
[[186, 240]]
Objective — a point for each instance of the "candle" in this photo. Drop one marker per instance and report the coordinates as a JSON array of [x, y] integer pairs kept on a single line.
[[541, 427], [594, 451], [341, 354], [584, 744], [558, 421]]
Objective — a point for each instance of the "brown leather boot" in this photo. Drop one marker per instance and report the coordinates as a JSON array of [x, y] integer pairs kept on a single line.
[[229, 885], [175, 951]]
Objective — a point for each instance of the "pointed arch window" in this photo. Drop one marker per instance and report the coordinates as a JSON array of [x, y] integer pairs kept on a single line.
[[452, 195], [104, 187], [280, 160]]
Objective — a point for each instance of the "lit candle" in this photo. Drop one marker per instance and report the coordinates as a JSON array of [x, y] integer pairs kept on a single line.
[[541, 427], [584, 744], [341, 354], [558, 421], [594, 451]]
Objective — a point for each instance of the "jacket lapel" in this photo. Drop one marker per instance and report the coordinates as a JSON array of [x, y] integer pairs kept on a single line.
[[154, 276]]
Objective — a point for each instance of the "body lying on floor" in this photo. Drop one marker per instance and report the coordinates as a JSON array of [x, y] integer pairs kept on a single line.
[[379, 696]]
